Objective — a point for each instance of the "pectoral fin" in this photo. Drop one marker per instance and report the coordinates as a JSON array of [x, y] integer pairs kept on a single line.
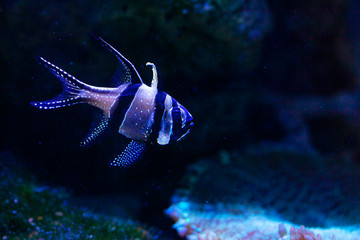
[[133, 151]]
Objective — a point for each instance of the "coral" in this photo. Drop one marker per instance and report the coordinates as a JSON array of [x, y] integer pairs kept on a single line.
[[302, 234], [33, 211], [197, 221], [238, 222], [261, 196]]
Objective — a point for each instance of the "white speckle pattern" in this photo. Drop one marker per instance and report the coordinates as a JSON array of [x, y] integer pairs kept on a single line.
[[95, 133], [132, 152], [69, 96], [75, 92], [137, 121], [55, 103], [59, 72]]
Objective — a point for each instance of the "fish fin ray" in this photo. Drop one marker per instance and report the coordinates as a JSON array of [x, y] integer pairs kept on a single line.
[[133, 151], [130, 72], [64, 99], [66, 79], [97, 132], [72, 88], [119, 77]]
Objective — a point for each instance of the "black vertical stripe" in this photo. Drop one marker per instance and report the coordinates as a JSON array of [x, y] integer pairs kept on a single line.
[[159, 111], [176, 116], [124, 102]]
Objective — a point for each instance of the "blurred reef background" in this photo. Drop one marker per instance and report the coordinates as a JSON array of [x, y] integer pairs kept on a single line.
[[273, 87]]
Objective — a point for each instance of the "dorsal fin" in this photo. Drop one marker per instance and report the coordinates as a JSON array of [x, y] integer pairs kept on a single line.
[[154, 82], [128, 69], [119, 77]]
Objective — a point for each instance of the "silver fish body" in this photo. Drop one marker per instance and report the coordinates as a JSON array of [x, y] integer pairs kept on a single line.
[[139, 112]]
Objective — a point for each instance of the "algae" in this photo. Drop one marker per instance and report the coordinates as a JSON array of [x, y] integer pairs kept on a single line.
[[30, 210]]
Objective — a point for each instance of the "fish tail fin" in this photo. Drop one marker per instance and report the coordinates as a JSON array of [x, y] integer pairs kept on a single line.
[[72, 89]]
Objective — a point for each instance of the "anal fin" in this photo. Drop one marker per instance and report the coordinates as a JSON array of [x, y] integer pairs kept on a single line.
[[96, 133], [133, 151]]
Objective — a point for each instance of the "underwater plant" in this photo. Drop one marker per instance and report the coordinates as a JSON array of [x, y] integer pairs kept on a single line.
[[30, 210]]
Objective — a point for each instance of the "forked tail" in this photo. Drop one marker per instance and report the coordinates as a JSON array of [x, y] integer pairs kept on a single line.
[[72, 88], [75, 91]]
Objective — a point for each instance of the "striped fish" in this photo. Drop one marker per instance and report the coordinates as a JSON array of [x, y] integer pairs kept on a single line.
[[139, 112]]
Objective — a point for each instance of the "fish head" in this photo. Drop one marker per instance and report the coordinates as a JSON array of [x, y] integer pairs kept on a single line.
[[182, 122]]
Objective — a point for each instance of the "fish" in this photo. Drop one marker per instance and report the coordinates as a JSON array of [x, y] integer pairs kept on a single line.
[[141, 113]]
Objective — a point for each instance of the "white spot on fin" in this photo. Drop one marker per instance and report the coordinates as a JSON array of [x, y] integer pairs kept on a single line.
[[133, 151]]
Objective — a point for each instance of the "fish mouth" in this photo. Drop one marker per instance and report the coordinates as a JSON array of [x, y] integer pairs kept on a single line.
[[189, 126]]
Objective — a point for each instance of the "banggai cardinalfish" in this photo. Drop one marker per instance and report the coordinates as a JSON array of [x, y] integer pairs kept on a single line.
[[139, 112]]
